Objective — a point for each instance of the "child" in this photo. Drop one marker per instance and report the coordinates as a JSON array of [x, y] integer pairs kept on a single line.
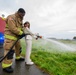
[[28, 39]]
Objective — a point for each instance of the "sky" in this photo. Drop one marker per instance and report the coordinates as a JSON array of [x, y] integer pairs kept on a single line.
[[49, 18]]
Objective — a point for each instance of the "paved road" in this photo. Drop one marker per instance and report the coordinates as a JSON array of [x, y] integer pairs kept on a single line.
[[21, 69]]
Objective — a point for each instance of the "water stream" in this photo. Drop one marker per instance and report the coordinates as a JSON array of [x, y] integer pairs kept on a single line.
[[61, 45], [53, 45]]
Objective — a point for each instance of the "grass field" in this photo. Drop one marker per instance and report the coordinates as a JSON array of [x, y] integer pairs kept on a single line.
[[51, 59]]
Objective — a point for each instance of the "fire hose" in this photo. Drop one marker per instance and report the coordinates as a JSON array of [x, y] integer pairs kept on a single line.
[[3, 57]]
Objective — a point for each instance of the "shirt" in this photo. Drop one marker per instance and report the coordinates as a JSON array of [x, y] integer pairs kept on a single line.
[[31, 34]]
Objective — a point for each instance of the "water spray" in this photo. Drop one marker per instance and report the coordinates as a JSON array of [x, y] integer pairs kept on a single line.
[[58, 45]]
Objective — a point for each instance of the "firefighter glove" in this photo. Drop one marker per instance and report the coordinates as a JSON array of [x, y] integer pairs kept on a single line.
[[21, 36]]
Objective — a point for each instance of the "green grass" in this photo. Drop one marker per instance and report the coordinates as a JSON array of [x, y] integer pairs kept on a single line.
[[53, 62], [56, 63]]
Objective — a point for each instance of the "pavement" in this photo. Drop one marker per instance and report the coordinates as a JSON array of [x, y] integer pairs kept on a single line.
[[20, 68]]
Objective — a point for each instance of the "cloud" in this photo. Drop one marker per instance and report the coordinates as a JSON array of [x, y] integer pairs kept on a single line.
[[46, 17]]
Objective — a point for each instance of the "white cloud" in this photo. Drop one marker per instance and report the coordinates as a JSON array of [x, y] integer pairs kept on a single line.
[[48, 17]]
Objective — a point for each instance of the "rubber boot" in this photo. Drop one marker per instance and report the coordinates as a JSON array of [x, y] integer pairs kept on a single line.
[[8, 69], [20, 59]]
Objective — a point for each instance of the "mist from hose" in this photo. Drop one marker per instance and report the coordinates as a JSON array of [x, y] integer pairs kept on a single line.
[[52, 45]]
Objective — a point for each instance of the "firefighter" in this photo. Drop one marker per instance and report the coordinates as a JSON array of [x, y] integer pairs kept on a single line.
[[13, 30]]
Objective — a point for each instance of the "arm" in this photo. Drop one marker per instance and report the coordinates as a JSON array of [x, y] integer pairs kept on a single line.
[[36, 36], [12, 26], [27, 30]]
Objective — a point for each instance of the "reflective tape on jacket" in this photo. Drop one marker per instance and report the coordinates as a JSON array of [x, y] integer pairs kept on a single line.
[[10, 37], [6, 65], [20, 29], [6, 25], [21, 32], [3, 18]]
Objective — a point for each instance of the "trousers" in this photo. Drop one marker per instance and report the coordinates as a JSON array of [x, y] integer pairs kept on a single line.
[[28, 49], [7, 45]]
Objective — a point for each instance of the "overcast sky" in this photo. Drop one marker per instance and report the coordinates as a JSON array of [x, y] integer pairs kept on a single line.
[[50, 18]]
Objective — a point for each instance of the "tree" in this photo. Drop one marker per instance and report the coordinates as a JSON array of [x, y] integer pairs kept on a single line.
[[74, 37]]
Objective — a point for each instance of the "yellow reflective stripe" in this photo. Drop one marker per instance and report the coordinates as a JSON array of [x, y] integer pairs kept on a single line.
[[3, 18], [20, 28], [21, 32], [10, 37], [6, 65], [6, 25], [18, 57]]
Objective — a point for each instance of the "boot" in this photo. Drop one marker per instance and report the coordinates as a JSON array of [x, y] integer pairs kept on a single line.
[[20, 59], [8, 69], [29, 62]]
